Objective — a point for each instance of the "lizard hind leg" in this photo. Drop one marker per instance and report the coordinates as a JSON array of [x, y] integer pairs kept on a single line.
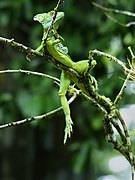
[[64, 84]]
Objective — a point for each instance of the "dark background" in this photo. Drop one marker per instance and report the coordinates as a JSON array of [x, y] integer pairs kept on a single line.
[[35, 151]]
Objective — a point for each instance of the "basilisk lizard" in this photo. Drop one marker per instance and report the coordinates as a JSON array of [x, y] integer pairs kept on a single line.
[[59, 52]]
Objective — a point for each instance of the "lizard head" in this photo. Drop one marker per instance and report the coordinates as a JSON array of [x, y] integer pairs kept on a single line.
[[46, 18]]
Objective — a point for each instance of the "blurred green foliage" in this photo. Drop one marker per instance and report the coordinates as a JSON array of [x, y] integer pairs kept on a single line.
[[84, 27]]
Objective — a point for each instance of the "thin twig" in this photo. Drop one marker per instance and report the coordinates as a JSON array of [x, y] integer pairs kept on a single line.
[[29, 72], [132, 64], [105, 10], [15, 123], [118, 97], [53, 19], [56, 80], [21, 47], [129, 145], [128, 13], [122, 24], [114, 59]]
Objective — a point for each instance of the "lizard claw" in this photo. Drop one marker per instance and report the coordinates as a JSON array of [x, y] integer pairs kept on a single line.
[[68, 128]]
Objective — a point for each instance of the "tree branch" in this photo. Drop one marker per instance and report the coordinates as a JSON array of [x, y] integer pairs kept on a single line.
[[114, 59], [119, 96], [101, 102], [29, 72], [27, 120], [128, 13], [106, 10]]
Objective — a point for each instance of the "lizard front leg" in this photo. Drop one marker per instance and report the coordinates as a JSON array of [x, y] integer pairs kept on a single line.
[[64, 84]]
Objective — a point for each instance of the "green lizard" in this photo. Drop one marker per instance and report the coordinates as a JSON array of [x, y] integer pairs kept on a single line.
[[58, 52]]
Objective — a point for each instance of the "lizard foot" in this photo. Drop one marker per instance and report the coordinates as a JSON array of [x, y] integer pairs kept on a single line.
[[68, 128]]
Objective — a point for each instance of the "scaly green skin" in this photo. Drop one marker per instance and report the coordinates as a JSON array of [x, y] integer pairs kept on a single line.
[[81, 66]]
